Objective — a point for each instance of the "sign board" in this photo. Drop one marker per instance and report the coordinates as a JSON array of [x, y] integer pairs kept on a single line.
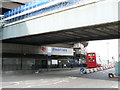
[[64, 65], [49, 49], [56, 51], [82, 69], [54, 61], [61, 51], [49, 63]]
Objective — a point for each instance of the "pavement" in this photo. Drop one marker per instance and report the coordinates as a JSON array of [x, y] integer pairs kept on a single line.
[[61, 79]]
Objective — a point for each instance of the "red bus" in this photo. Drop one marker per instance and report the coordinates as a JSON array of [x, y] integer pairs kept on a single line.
[[91, 60]]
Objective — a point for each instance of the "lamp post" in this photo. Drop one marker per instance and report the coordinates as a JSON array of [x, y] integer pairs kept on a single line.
[[108, 52]]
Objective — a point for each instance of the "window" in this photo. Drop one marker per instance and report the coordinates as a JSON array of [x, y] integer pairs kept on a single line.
[[91, 54], [91, 60]]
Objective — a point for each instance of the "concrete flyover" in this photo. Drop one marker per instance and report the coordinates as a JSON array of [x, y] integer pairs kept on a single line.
[[93, 20]]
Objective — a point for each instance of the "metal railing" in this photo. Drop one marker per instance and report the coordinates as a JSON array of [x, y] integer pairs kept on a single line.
[[51, 7], [35, 9], [1, 21]]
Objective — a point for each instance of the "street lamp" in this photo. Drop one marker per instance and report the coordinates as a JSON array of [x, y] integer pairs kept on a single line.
[[108, 52]]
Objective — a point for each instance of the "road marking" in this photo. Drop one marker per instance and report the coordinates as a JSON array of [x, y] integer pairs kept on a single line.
[[114, 86], [72, 77], [47, 84], [58, 82], [28, 86], [10, 84]]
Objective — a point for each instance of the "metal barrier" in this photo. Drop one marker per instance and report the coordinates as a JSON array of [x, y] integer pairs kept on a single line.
[[26, 7], [35, 8]]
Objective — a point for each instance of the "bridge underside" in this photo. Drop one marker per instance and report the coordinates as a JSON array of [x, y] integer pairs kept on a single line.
[[94, 32]]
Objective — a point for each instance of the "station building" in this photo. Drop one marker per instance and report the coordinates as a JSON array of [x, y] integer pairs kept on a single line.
[[29, 57]]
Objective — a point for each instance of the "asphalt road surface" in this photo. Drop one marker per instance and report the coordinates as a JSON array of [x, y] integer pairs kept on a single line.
[[61, 79]]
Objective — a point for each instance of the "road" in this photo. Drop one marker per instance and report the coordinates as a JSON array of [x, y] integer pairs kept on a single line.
[[61, 79]]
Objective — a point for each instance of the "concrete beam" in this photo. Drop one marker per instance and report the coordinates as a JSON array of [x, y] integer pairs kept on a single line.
[[105, 11]]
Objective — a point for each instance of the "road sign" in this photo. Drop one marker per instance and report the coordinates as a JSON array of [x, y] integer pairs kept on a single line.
[[82, 69]]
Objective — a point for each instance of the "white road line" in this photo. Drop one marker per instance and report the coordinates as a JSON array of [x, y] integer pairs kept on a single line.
[[47, 84], [114, 86], [72, 77], [28, 86]]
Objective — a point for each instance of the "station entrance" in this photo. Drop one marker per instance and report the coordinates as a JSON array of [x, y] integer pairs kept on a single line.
[[35, 62]]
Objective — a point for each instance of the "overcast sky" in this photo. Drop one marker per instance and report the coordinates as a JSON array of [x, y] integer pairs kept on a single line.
[[104, 48]]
